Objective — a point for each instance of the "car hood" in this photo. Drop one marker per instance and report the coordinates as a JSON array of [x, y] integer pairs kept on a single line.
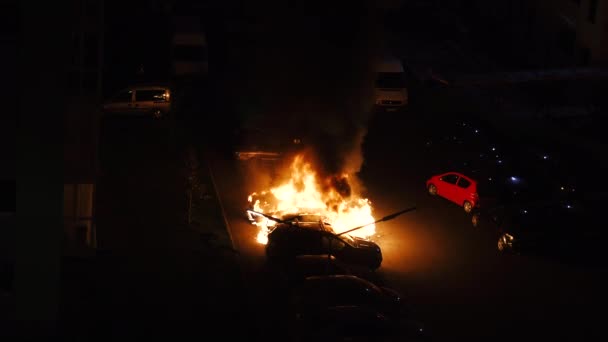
[[366, 244], [391, 94]]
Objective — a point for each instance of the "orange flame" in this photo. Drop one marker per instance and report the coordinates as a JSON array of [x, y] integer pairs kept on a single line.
[[301, 193]]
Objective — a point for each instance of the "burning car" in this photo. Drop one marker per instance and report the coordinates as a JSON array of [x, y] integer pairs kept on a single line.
[[268, 223], [305, 198], [262, 202]]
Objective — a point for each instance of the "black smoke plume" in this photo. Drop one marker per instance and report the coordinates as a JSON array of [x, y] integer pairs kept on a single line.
[[312, 68]]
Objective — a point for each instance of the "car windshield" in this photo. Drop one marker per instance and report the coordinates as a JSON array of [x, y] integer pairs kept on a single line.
[[390, 80], [344, 290], [369, 287], [305, 218], [347, 239]]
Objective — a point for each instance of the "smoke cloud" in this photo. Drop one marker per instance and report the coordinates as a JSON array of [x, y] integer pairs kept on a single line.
[[314, 73]]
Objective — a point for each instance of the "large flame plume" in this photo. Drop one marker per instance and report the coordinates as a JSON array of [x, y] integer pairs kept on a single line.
[[334, 198]]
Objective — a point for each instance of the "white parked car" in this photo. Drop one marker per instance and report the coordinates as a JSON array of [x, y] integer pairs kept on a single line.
[[152, 100]]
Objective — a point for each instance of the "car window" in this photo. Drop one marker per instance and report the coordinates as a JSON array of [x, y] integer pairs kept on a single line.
[[309, 218], [390, 80], [279, 236], [336, 243], [150, 95], [195, 53], [451, 178], [350, 291], [463, 183], [347, 239], [304, 238], [301, 218], [123, 96]]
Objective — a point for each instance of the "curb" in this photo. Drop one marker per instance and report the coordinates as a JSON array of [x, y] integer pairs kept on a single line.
[[219, 200], [238, 257]]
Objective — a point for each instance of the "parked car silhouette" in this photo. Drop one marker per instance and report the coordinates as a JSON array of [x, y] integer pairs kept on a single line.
[[286, 241], [346, 306], [562, 229]]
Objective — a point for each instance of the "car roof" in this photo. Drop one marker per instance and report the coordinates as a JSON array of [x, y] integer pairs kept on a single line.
[[150, 85], [294, 215], [306, 226], [354, 314], [316, 257], [313, 283], [459, 174], [318, 264], [337, 277]]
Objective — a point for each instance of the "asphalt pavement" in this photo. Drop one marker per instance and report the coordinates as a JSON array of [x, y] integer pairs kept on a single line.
[[154, 274], [450, 272]]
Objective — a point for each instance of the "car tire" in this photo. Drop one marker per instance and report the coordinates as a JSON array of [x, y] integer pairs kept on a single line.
[[467, 206], [475, 220], [375, 266], [432, 190], [502, 245]]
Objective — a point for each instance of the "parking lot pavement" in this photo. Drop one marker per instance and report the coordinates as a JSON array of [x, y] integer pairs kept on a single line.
[[155, 275], [469, 257], [451, 273], [443, 46]]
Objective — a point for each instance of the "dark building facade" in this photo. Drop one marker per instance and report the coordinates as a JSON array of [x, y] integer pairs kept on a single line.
[[543, 33], [84, 94]]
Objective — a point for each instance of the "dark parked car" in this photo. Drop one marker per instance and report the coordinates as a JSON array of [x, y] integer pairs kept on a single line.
[[304, 266], [349, 307], [287, 241], [354, 323], [552, 228]]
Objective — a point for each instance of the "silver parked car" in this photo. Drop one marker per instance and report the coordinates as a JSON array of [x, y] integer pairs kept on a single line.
[[153, 100]]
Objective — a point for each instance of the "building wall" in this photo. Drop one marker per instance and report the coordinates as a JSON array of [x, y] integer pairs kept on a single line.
[[43, 43], [87, 36], [551, 33], [81, 123], [188, 46], [8, 147], [589, 31]]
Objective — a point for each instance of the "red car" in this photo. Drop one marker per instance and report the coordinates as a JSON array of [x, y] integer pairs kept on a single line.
[[455, 187]]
